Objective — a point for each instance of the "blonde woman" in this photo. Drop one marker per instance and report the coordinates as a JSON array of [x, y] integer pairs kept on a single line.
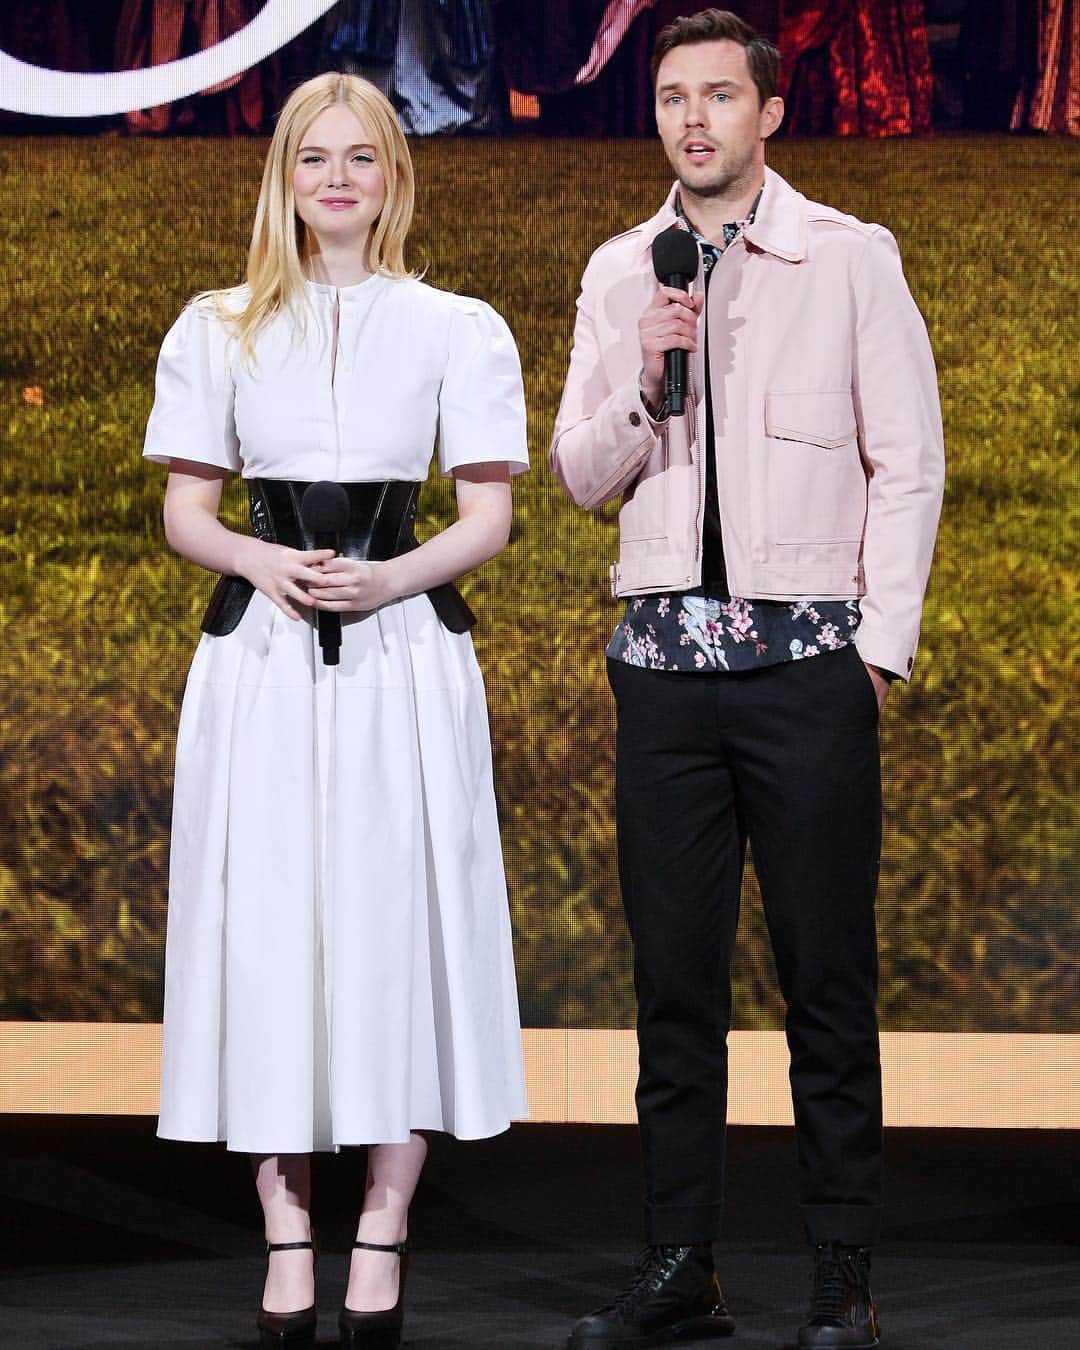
[[339, 967]]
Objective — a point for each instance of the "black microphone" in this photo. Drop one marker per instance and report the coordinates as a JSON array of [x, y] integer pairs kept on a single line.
[[324, 510], [675, 262]]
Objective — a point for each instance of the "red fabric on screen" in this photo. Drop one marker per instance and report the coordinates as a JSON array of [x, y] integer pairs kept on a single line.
[[1049, 100], [856, 67], [151, 32]]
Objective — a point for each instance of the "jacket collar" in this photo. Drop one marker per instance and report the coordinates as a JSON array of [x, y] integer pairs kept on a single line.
[[779, 226]]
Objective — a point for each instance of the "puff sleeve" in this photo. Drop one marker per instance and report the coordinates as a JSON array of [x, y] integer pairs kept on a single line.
[[482, 399], [192, 417]]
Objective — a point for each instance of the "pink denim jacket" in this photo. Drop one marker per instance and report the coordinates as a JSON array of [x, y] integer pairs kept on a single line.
[[830, 462]]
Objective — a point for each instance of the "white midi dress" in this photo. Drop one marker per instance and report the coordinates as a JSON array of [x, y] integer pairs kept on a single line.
[[339, 967]]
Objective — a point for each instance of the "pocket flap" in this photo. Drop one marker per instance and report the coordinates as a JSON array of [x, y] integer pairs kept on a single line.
[[824, 417]]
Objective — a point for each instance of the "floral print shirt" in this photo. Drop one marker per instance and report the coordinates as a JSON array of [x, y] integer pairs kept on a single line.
[[695, 632], [707, 633]]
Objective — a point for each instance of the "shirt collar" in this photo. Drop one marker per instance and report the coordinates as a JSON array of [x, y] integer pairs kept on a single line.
[[779, 226], [710, 250]]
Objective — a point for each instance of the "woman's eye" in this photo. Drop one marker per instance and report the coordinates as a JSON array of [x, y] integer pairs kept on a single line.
[[311, 159], [365, 159]]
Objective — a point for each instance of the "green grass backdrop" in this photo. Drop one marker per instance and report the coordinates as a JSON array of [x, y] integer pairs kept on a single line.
[[101, 243]]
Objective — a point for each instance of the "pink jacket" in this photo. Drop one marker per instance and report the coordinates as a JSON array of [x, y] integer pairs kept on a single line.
[[830, 462]]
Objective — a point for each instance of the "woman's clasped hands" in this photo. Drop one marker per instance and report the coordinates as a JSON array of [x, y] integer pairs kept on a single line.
[[350, 584], [314, 579]]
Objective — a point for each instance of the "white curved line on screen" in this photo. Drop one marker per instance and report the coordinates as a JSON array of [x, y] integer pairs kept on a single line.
[[60, 93]]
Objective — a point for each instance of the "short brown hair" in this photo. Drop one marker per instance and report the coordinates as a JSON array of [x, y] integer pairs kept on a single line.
[[721, 25]]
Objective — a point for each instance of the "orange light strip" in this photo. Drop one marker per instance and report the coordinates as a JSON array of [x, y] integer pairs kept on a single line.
[[934, 1079]]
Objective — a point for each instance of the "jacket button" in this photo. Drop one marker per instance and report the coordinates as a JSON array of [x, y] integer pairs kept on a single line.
[[635, 419]]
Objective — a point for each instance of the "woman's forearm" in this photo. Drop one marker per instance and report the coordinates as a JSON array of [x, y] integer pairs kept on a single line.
[[465, 544], [201, 538]]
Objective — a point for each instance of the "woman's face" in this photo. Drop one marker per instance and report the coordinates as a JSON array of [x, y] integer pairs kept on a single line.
[[338, 184]]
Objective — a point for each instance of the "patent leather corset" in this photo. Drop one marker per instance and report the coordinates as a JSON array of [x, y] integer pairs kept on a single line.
[[380, 526]]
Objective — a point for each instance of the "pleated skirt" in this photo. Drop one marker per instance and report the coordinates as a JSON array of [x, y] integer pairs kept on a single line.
[[339, 967]]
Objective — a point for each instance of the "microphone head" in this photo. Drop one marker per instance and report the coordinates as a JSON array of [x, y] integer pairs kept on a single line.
[[324, 508], [674, 254]]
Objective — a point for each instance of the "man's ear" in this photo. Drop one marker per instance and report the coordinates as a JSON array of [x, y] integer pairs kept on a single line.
[[772, 114]]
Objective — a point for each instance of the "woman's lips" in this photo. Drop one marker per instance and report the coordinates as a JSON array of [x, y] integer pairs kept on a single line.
[[337, 203]]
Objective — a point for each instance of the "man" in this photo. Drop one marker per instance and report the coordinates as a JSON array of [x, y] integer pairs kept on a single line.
[[775, 545]]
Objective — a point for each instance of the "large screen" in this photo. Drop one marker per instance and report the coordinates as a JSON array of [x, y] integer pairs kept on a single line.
[[103, 239]]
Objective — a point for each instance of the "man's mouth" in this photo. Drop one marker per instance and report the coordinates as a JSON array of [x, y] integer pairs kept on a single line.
[[698, 152]]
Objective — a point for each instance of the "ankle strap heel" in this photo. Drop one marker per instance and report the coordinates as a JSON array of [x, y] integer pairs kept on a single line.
[[377, 1330], [289, 1331]]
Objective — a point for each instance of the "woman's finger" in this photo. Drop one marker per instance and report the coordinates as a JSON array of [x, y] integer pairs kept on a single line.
[[342, 567], [296, 592], [306, 576], [334, 593]]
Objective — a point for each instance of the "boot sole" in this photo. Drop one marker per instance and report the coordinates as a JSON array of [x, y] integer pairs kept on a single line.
[[697, 1328], [862, 1345]]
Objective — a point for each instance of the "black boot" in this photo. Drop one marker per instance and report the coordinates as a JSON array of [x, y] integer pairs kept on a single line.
[[842, 1312], [674, 1294]]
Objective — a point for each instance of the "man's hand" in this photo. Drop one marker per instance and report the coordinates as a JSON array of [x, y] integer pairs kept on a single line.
[[882, 684], [669, 321]]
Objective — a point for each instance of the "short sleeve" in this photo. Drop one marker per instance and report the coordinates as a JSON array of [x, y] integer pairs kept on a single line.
[[192, 417], [482, 399]]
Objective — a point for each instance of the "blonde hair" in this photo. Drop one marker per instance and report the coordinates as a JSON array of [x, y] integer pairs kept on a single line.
[[279, 238]]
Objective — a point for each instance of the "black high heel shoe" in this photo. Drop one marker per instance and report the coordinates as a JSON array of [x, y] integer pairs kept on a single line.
[[291, 1331], [377, 1330]]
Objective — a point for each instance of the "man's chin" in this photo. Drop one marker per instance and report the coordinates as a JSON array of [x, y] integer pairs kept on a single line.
[[707, 187]]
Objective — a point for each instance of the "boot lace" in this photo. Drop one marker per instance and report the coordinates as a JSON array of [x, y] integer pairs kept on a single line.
[[649, 1270], [833, 1278]]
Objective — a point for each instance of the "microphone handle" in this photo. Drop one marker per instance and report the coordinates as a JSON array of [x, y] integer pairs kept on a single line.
[[675, 381], [675, 362], [329, 623]]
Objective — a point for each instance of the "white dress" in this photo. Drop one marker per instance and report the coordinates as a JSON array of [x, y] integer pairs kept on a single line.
[[339, 967]]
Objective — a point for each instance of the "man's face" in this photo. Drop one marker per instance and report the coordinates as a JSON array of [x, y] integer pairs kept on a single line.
[[711, 123]]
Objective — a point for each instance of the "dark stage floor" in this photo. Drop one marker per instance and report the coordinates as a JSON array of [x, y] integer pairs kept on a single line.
[[111, 1238]]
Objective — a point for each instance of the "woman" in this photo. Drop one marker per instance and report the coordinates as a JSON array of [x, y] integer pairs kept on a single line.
[[338, 968]]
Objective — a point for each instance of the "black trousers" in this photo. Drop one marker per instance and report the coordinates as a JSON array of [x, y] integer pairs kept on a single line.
[[785, 757]]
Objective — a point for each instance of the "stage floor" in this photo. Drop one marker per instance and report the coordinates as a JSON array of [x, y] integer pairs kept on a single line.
[[111, 1238]]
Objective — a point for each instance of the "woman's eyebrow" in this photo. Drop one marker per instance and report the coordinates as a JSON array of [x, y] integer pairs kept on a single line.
[[323, 150]]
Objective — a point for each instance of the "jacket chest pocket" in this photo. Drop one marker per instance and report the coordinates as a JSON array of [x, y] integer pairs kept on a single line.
[[817, 483]]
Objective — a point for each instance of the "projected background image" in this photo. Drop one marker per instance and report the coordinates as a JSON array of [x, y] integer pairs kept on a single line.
[[104, 237], [978, 882]]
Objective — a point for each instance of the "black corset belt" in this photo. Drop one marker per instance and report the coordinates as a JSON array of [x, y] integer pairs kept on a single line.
[[381, 518]]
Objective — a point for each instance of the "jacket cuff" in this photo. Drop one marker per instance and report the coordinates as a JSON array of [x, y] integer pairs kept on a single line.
[[657, 416], [892, 655]]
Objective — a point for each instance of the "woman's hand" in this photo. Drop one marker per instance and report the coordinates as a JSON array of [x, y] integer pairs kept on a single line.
[[484, 508], [346, 584], [284, 575]]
